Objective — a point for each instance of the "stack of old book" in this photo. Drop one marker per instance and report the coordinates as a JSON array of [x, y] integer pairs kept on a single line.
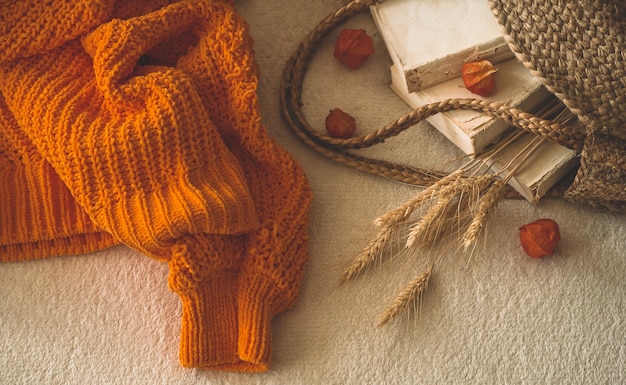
[[429, 41]]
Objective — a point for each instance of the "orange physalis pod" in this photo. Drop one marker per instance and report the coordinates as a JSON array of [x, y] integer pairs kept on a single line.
[[539, 238], [353, 47], [479, 77], [340, 124]]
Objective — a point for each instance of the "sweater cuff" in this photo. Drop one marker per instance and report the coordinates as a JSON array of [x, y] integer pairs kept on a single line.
[[209, 323], [228, 327], [259, 301]]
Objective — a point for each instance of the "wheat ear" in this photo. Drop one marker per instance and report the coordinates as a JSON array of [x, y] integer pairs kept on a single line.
[[403, 212], [466, 197], [426, 230], [370, 253], [440, 219], [411, 294], [486, 205]]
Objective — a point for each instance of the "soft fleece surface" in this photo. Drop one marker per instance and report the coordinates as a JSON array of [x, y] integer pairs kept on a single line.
[[501, 318]]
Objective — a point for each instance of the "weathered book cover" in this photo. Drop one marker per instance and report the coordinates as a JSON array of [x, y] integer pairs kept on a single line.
[[472, 131], [469, 130], [429, 40]]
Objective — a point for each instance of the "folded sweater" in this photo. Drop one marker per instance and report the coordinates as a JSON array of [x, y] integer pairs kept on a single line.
[[137, 122]]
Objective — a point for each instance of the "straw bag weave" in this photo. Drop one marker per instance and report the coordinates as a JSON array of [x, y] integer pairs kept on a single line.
[[576, 48]]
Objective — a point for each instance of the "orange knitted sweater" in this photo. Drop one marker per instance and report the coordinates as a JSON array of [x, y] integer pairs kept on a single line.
[[137, 122]]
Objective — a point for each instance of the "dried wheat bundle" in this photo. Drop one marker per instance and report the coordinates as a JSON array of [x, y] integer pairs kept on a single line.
[[450, 214]]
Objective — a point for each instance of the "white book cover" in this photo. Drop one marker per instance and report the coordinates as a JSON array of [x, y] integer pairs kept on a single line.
[[429, 40], [473, 131]]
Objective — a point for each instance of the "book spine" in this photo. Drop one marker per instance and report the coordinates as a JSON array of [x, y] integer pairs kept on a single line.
[[449, 66]]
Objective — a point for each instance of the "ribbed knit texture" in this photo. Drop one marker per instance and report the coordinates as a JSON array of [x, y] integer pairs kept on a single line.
[[138, 122], [38, 215]]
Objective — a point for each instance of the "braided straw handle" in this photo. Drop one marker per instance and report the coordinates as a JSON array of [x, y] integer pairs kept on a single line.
[[337, 149]]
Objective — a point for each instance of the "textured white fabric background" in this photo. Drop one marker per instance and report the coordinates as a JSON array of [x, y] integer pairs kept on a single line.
[[502, 318]]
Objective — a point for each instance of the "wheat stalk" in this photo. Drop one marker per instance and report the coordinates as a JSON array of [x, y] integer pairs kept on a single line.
[[390, 223], [411, 294], [423, 232], [403, 212], [488, 202], [443, 215], [486, 205], [370, 253]]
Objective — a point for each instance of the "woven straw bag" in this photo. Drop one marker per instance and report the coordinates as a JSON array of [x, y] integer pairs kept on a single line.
[[576, 48]]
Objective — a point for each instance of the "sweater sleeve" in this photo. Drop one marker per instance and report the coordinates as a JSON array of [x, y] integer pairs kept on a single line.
[[276, 253], [273, 265]]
